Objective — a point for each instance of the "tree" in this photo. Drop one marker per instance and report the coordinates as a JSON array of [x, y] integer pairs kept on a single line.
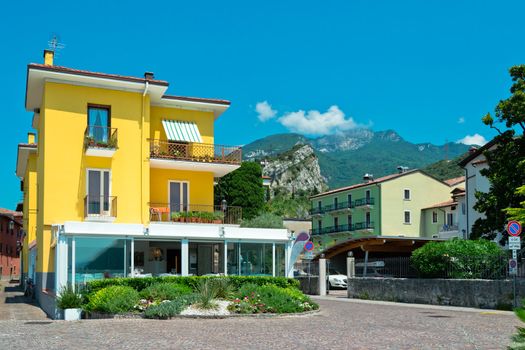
[[506, 165], [518, 214], [242, 187]]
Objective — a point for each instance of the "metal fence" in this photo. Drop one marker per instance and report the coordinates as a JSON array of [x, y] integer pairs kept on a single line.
[[465, 267], [305, 268]]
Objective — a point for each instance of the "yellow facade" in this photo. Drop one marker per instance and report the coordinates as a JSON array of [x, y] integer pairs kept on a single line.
[[60, 165], [424, 192]]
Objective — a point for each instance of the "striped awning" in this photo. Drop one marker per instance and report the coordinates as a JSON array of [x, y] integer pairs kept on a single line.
[[177, 130]]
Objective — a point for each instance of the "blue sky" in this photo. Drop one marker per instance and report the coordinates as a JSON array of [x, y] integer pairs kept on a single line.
[[428, 69]]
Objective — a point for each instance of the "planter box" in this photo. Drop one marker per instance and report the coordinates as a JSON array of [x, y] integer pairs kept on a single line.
[[72, 314]]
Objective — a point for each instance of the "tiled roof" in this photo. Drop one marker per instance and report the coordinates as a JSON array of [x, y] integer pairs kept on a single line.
[[376, 181], [442, 204], [60, 69], [197, 99], [455, 181]]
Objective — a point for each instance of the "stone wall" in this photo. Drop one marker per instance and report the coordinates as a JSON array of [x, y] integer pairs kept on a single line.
[[309, 284], [484, 294]]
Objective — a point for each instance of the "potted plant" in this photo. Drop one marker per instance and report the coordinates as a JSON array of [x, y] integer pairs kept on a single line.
[[89, 141], [70, 301], [176, 217], [218, 217]]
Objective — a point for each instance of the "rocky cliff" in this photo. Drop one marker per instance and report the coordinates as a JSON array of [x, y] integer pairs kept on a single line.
[[295, 171]]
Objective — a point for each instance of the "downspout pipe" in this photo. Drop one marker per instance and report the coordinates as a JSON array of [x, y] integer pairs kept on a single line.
[[146, 87]]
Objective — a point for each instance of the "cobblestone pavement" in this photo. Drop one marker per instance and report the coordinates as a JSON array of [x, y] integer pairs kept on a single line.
[[342, 324], [14, 306]]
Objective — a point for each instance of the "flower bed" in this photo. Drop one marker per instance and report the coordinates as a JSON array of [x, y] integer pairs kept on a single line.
[[168, 297]]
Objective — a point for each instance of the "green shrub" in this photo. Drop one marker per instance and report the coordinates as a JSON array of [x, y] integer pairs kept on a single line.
[[458, 258], [68, 298], [164, 291], [264, 220], [191, 281], [169, 309], [252, 298], [206, 293], [113, 300], [223, 287]]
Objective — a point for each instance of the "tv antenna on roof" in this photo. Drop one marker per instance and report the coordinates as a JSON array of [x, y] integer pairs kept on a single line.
[[55, 45]]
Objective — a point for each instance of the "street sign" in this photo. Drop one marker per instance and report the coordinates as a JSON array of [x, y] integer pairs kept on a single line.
[[513, 267], [514, 228], [309, 246], [514, 243], [308, 256]]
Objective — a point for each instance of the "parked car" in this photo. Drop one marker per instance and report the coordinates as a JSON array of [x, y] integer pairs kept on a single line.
[[336, 279]]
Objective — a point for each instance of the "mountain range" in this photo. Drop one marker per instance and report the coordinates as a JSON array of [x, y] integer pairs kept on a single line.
[[345, 157]]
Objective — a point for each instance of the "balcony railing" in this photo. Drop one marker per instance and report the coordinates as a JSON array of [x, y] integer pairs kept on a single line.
[[341, 206], [100, 207], [195, 152], [100, 137], [448, 228], [195, 213], [364, 201], [343, 228]]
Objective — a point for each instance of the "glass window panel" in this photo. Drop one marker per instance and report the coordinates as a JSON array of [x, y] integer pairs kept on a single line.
[[98, 258], [94, 192], [233, 259], [175, 190], [98, 120], [185, 195], [280, 260], [256, 259]]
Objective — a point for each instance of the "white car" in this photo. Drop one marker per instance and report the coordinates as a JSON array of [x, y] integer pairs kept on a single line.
[[337, 280]]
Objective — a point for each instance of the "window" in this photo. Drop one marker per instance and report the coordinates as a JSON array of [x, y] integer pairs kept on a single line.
[[319, 205], [434, 217], [406, 194], [179, 198], [336, 222], [407, 217], [335, 203], [349, 198], [319, 225], [367, 220], [450, 219], [99, 122], [98, 192], [367, 195], [349, 221], [463, 208]]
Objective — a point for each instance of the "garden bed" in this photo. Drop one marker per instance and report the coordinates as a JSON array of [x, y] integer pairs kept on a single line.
[[195, 297]]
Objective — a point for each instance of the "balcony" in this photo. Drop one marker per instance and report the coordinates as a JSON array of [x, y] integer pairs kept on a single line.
[[195, 156], [343, 206], [364, 202], [448, 231], [100, 208], [100, 141], [195, 213], [360, 226]]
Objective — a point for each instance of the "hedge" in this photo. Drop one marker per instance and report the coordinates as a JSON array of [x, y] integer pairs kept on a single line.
[[190, 281]]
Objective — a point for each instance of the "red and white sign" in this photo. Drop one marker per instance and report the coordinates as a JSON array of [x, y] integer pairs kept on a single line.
[[514, 228]]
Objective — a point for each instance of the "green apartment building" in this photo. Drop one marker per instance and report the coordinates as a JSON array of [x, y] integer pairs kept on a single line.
[[387, 206]]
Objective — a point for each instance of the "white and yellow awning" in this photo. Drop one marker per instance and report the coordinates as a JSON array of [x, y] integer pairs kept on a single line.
[[177, 130]]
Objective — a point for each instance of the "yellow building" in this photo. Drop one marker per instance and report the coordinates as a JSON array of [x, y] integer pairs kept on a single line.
[[118, 181]]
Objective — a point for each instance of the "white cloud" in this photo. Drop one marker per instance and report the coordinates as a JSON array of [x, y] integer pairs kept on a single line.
[[317, 123], [475, 139], [264, 111], [461, 120]]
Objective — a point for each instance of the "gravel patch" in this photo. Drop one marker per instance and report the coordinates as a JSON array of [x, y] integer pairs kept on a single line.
[[221, 310]]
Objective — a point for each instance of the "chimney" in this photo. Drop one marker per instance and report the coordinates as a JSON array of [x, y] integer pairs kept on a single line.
[[48, 57], [402, 169], [368, 178], [149, 76], [30, 137]]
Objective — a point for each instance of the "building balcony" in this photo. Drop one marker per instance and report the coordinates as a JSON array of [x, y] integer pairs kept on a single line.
[[100, 141], [332, 208], [448, 231], [195, 213], [364, 202], [195, 156], [360, 226], [100, 208]]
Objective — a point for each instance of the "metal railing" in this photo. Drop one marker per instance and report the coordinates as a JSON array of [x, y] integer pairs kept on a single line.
[[195, 213], [195, 152], [364, 201], [342, 205], [343, 228], [459, 267], [100, 137], [100, 206], [447, 228]]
